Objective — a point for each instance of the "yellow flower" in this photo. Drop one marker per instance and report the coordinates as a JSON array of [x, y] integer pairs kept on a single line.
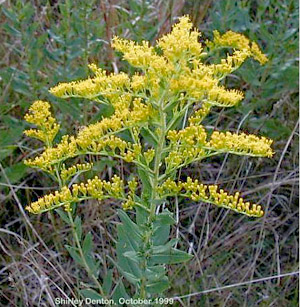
[[181, 42], [93, 189], [200, 114], [129, 203], [66, 173], [186, 146], [237, 41], [209, 194], [173, 78], [91, 88], [242, 144], [39, 114]]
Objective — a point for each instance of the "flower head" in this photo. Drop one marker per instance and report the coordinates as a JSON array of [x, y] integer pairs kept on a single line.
[[39, 114]]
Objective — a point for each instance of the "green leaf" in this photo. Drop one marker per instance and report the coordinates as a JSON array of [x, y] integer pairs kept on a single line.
[[5, 152], [107, 282], [162, 227], [90, 293], [94, 267], [125, 244], [149, 137], [129, 240], [161, 234], [133, 255], [173, 256], [130, 226], [158, 286], [154, 273], [164, 248], [78, 227], [14, 173], [12, 132], [74, 254], [147, 188], [87, 244], [119, 292], [63, 215], [141, 216], [166, 218], [71, 107]]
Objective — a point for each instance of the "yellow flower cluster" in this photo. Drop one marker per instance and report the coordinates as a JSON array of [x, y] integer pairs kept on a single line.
[[191, 135], [237, 41], [149, 155], [99, 137], [91, 88], [142, 56], [218, 96], [39, 114], [209, 193], [181, 42], [133, 153], [138, 82], [180, 67], [93, 189], [45, 161], [69, 147], [129, 203], [242, 144], [231, 63], [172, 80], [67, 173], [206, 89], [200, 114], [186, 145]]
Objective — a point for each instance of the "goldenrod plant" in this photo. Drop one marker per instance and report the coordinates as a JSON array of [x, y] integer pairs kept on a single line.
[[156, 126]]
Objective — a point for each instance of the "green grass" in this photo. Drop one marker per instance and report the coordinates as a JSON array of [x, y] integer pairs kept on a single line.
[[43, 44]]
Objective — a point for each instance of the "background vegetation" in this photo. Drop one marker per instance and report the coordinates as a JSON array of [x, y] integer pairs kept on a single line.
[[44, 42]]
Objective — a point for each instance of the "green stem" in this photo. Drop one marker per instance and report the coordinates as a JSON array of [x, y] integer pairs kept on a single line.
[[77, 241], [155, 183], [157, 161]]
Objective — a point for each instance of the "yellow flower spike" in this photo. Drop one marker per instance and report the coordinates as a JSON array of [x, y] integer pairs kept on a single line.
[[96, 70], [237, 41], [93, 189], [39, 114], [91, 88], [99, 136], [257, 54], [209, 194], [218, 96], [241, 144], [186, 145]]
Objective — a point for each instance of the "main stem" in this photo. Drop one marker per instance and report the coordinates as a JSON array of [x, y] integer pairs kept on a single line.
[[157, 161], [155, 183]]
